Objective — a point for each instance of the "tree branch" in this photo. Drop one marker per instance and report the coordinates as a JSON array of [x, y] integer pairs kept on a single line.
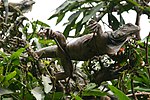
[[107, 74]]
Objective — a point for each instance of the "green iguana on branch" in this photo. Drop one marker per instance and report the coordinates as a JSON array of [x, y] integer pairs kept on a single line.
[[85, 47]]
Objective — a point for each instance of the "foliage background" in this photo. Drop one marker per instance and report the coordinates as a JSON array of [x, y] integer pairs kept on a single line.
[[24, 76]]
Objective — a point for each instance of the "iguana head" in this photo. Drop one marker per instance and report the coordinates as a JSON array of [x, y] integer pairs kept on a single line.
[[24, 5], [122, 34]]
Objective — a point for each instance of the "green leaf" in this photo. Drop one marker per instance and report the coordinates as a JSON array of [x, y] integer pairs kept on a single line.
[[73, 17], [1, 70], [90, 86], [67, 30], [15, 56], [62, 6], [54, 15], [19, 72], [71, 23], [60, 17], [143, 79], [93, 92], [50, 42], [147, 9], [2, 54], [57, 95], [76, 97], [121, 20], [135, 3], [118, 93], [10, 76], [78, 27], [38, 93], [113, 21], [141, 43], [17, 53], [15, 62], [5, 91], [142, 89], [92, 12], [60, 11], [30, 75], [41, 23], [123, 8], [90, 91], [1, 78]]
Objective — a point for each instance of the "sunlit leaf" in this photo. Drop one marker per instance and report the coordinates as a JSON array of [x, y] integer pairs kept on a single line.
[[17, 53], [45, 81], [5, 91], [38, 93], [10, 75], [50, 42]]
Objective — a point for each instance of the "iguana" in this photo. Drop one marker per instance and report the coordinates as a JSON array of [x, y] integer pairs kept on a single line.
[[87, 46]]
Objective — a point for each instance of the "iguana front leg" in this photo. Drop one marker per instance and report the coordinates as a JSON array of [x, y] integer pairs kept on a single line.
[[61, 49], [95, 27]]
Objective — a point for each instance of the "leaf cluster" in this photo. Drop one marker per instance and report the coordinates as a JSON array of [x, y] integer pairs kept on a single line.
[[24, 76]]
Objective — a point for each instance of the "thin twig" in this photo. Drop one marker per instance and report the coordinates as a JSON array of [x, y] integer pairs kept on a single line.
[[132, 88], [146, 49], [139, 93]]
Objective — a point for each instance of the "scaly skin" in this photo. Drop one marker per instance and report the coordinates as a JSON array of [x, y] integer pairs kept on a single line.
[[87, 46]]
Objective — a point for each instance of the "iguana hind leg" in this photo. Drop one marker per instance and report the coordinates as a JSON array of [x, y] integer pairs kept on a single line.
[[48, 52], [54, 52], [59, 51], [68, 69]]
